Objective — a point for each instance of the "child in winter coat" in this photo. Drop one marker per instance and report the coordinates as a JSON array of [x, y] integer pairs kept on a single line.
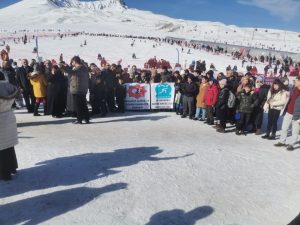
[[210, 99], [276, 101], [201, 107], [39, 84], [120, 95], [245, 103], [178, 96]]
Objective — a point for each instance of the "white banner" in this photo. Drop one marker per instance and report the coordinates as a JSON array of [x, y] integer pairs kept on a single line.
[[162, 96], [137, 96]]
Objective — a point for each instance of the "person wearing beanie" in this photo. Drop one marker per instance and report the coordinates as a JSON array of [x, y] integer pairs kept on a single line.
[[39, 84], [222, 105]]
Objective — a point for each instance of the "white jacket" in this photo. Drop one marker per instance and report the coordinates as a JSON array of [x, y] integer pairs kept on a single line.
[[8, 124], [277, 101]]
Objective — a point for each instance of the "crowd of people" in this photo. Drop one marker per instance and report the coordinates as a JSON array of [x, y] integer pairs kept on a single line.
[[201, 95]]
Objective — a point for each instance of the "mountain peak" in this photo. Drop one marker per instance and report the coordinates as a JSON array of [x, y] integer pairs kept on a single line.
[[95, 5]]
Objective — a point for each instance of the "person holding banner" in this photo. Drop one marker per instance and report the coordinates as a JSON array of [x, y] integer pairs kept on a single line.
[[189, 91]]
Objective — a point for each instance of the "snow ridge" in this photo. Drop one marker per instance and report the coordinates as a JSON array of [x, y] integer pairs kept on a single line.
[[95, 5]]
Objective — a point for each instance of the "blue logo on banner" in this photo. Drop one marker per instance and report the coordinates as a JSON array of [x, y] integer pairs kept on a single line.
[[163, 91]]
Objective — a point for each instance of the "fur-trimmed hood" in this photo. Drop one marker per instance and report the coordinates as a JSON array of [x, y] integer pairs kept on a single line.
[[8, 93]]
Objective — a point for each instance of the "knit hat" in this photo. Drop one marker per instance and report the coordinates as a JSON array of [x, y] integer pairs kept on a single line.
[[260, 78], [223, 82]]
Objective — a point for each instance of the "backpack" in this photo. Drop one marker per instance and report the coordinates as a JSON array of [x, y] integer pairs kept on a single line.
[[231, 100]]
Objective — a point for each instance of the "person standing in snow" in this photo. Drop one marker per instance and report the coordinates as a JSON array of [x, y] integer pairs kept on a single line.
[[189, 90], [25, 86], [245, 104], [79, 84], [261, 93], [39, 84], [201, 107], [222, 105], [291, 118], [276, 100], [8, 130], [56, 85], [210, 99]]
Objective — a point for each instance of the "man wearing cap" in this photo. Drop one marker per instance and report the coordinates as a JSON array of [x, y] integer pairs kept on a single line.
[[292, 117]]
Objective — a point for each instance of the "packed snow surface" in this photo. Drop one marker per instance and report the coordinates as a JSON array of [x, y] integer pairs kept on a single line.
[[147, 168]]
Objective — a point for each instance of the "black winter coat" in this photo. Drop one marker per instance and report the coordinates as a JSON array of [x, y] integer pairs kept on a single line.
[[189, 89], [120, 92], [98, 89], [222, 100], [261, 96], [22, 79]]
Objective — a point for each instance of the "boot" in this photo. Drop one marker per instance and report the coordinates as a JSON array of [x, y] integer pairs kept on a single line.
[[266, 136], [272, 137], [36, 109], [221, 130], [217, 126], [258, 132], [237, 132]]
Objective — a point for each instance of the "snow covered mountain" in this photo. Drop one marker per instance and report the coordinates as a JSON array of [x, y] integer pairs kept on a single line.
[[90, 5], [113, 16]]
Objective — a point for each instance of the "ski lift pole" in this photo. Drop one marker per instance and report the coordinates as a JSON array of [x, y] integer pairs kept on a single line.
[[37, 47], [177, 55]]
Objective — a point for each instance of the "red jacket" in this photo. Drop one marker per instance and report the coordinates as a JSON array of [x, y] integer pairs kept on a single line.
[[211, 95]]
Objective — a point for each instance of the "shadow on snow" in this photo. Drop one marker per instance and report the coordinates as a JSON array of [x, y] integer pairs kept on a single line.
[[179, 217], [41, 208], [78, 169]]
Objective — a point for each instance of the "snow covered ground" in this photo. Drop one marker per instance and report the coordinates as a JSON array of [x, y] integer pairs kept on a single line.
[[147, 168]]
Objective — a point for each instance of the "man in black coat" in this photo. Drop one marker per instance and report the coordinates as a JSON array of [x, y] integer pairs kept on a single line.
[[189, 90], [25, 86]]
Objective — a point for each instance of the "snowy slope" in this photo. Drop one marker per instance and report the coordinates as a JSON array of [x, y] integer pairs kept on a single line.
[[147, 169], [114, 16]]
